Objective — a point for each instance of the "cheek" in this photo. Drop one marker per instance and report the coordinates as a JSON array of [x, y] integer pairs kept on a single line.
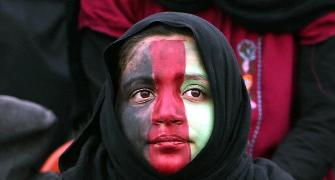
[[200, 119], [136, 122]]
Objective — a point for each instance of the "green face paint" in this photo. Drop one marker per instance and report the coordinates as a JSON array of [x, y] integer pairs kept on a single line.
[[197, 99]]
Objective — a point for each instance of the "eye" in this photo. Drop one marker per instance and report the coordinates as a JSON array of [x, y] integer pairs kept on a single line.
[[194, 95], [141, 96]]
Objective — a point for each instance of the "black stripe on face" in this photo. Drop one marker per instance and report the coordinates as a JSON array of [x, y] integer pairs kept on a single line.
[[136, 119]]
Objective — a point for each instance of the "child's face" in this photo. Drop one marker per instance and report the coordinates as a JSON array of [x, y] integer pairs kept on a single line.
[[165, 102]]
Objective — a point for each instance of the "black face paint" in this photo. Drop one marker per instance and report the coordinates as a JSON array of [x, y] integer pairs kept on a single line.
[[135, 118]]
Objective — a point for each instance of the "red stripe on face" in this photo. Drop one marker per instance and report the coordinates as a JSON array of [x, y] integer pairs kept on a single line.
[[169, 149]]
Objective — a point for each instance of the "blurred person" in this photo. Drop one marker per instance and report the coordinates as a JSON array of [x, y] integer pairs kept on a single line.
[[37, 49], [34, 48], [27, 135]]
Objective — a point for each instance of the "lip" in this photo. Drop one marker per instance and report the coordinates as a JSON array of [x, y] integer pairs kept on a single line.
[[169, 139]]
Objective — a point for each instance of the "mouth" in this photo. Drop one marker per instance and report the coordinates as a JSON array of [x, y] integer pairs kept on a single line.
[[169, 140], [169, 144]]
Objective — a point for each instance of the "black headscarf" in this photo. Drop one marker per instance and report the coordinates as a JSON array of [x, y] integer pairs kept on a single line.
[[102, 151], [275, 15], [261, 15], [185, 5]]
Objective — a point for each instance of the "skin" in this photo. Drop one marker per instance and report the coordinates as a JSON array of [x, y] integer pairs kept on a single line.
[[164, 102]]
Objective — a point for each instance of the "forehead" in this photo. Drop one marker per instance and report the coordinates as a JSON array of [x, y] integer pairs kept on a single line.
[[141, 51], [144, 44], [179, 37]]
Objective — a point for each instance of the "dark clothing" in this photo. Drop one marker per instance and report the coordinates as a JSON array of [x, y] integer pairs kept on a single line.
[[93, 45], [27, 132], [34, 57], [261, 15], [311, 142], [103, 152]]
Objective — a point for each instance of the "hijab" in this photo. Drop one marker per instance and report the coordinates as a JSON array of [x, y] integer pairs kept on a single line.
[[261, 15], [186, 5], [103, 152]]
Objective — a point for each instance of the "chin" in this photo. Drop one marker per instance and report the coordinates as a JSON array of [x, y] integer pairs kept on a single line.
[[169, 164], [169, 158]]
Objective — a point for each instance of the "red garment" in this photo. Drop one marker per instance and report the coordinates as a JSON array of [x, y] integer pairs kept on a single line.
[[267, 61], [319, 30]]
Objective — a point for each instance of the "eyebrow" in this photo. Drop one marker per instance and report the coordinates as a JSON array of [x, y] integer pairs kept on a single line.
[[196, 77], [143, 79]]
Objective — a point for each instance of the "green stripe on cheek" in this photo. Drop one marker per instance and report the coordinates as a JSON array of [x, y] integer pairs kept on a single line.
[[200, 115], [200, 120]]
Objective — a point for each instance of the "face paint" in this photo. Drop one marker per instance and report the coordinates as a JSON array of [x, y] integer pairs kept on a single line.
[[198, 107], [165, 105], [135, 116], [169, 150]]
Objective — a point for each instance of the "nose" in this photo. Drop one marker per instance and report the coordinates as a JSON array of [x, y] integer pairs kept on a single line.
[[169, 110]]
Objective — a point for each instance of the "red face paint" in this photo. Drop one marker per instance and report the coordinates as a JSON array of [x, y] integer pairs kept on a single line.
[[169, 149]]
